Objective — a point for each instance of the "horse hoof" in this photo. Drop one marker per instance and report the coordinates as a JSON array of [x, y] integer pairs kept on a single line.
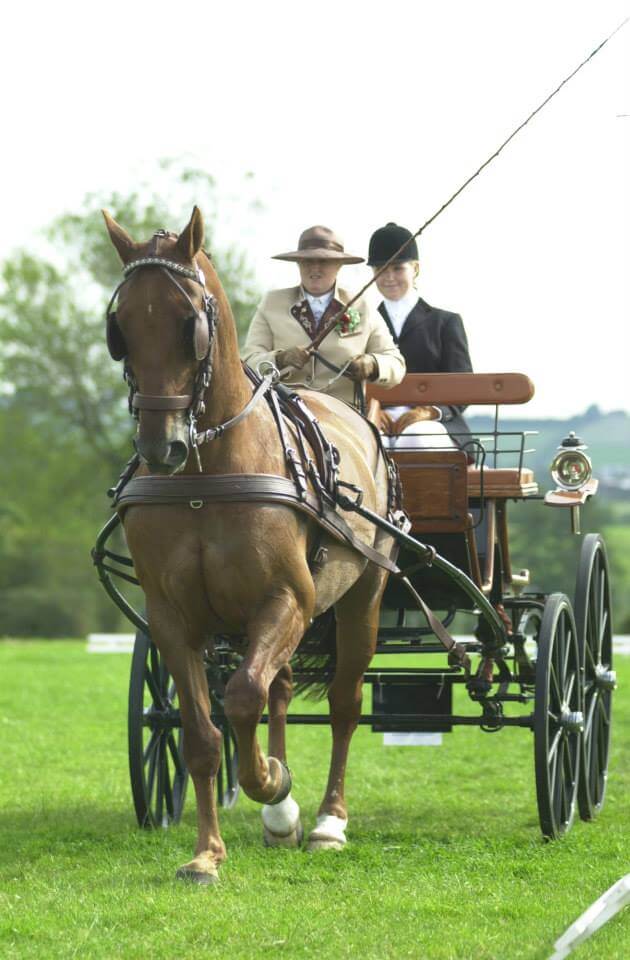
[[202, 871], [315, 846], [281, 824], [291, 840], [329, 834]]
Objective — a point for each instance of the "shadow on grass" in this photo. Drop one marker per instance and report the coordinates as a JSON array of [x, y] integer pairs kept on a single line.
[[84, 831]]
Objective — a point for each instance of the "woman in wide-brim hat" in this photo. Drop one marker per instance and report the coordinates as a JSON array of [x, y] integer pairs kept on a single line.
[[287, 321], [431, 340]]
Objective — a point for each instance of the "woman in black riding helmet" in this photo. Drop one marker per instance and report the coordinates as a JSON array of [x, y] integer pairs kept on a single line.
[[431, 340]]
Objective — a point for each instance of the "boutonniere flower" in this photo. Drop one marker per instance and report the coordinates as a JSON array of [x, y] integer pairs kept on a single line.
[[349, 322]]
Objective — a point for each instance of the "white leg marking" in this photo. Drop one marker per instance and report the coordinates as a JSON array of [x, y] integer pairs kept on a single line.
[[329, 833], [281, 824]]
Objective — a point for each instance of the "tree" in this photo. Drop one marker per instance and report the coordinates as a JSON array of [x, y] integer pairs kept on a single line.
[[54, 357]]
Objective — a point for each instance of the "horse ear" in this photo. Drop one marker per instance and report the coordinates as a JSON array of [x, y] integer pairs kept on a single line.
[[123, 243], [190, 239]]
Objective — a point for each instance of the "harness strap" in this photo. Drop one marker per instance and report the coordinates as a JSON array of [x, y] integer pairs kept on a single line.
[[196, 491], [213, 432], [144, 401]]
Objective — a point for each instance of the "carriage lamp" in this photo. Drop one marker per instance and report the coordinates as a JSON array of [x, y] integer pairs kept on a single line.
[[571, 468]]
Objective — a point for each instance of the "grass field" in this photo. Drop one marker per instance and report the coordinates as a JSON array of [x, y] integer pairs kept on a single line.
[[444, 860]]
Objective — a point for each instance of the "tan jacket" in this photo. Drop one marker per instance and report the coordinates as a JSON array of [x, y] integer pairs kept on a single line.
[[275, 327]]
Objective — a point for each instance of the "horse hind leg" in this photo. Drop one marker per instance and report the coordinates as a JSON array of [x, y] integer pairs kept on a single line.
[[281, 821], [357, 628]]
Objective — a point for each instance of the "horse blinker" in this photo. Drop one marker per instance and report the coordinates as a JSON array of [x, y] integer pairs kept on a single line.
[[115, 340], [201, 336]]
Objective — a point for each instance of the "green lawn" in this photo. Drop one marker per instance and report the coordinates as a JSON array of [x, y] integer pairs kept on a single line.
[[444, 859]]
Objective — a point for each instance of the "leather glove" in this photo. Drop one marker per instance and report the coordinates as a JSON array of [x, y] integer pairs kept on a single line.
[[293, 357], [415, 416], [363, 367]]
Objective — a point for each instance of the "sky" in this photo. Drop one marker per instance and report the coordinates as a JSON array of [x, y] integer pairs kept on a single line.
[[352, 114]]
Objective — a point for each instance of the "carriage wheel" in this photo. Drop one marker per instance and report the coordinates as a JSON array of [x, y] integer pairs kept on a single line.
[[156, 761], [594, 626], [558, 717]]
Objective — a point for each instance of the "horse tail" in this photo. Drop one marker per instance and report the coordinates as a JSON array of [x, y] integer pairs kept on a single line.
[[315, 660]]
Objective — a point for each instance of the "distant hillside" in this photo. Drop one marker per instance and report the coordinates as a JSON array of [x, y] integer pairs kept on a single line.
[[607, 436]]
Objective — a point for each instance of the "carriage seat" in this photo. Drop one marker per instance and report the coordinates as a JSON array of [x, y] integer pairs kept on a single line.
[[501, 483], [463, 389]]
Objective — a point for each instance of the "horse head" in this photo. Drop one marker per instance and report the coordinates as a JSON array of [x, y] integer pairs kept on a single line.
[[163, 329]]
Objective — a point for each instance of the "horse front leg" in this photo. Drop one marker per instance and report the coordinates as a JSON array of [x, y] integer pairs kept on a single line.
[[273, 635], [357, 629], [281, 821], [202, 742]]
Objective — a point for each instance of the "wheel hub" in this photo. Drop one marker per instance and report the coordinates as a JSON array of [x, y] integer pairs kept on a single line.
[[572, 721], [605, 679]]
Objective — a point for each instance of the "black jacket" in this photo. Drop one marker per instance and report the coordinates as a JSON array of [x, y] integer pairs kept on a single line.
[[434, 341]]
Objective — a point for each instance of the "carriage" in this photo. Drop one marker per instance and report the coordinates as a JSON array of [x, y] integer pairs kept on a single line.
[[542, 662]]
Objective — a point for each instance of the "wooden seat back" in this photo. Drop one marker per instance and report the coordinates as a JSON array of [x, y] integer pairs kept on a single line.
[[455, 388]]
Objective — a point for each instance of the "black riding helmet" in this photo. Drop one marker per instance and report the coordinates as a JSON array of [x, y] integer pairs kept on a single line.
[[385, 241]]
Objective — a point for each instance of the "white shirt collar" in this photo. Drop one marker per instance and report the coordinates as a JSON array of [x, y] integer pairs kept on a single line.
[[399, 310], [318, 305]]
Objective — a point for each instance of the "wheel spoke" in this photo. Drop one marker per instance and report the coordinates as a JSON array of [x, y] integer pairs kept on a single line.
[[179, 768], [590, 660], [566, 650], [604, 713], [603, 630], [556, 793], [168, 791], [590, 715], [154, 739], [600, 612], [568, 689], [554, 745], [569, 766], [555, 686], [565, 815], [159, 793], [593, 769], [153, 762], [156, 694]]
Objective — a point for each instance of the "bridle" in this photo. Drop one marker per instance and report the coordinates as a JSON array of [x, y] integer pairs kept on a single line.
[[205, 324]]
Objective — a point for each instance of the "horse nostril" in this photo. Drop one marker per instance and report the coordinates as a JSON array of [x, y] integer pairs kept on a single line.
[[178, 453]]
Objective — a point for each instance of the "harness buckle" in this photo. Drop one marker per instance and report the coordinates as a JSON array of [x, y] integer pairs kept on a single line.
[[195, 504], [345, 502], [192, 435]]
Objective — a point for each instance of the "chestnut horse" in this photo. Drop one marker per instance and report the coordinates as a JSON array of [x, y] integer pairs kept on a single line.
[[238, 568]]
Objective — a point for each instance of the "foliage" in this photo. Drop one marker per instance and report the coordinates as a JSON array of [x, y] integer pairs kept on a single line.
[[63, 411], [541, 539], [444, 860]]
